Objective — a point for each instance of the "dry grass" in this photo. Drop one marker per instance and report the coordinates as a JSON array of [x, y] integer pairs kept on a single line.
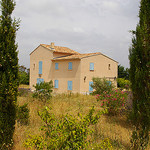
[[24, 86], [116, 128]]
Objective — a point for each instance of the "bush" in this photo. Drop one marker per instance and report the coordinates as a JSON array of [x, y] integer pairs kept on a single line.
[[67, 132], [122, 83], [114, 100], [23, 114], [43, 91], [101, 85]]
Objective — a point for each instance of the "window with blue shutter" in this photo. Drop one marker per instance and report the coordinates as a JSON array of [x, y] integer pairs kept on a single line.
[[109, 82], [39, 80], [70, 65], [69, 85], [56, 66], [40, 67], [91, 66], [56, 84], [90, 87]]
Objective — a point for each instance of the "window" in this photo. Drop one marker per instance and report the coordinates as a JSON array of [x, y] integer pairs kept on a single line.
[[40, 67], [108, 66], [33, 66], [56, 66], [109, 82], [90, 87], [69, 85], [39, 80], [70, 66], [91, 66], [56, 84]]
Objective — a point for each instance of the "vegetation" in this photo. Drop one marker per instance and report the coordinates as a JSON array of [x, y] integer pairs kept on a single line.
[[114, 101], [123, 72], [24, 75], [123, 83], [68, 132], [8, 73], [100, 85], [140, 77], [23, 114], [43, 91], [110, 132]]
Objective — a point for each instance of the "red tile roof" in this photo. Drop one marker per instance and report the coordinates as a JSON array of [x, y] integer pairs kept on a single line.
[[76, 56], [61, 49]]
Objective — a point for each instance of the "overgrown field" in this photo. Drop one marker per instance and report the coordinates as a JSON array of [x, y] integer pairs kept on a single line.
[[116, 129]]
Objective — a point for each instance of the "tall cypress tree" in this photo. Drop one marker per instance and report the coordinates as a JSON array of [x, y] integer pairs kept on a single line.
[[140, 77], [8, 73]]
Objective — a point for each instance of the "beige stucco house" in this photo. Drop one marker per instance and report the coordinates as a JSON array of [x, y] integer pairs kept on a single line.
[[69, 70]]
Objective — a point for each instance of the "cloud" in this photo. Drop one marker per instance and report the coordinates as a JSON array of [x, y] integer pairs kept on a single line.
[[82, 25]]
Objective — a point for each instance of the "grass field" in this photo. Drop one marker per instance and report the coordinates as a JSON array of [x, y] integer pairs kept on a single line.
[[116, 128]]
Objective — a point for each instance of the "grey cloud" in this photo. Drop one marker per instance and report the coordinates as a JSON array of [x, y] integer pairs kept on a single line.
[[82, 25]]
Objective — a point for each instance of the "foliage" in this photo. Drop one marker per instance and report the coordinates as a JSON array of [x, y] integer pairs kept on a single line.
[[104, 145], [8, 73], [123, 72], [23, 114], [115, 100], [67, 132], [123, 83], [43, 91], [23, 75], [101, 85], [140, 77]]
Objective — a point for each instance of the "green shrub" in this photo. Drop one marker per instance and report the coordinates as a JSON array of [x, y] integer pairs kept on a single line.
[[114, 100], [101, 85], [104, 145], [67, 132], [122, 83], [43, 91], [23, 114]]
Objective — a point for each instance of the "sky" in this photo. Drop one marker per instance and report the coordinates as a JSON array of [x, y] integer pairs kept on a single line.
[[86, 26]]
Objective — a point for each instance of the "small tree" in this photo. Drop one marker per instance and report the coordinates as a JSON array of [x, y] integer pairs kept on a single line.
[[140, 77], [101, 85], [8, 73], [43, 91]]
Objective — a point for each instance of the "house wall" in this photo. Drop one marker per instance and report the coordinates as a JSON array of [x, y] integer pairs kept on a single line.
[[63, 75], [44, 55], [101, 69]]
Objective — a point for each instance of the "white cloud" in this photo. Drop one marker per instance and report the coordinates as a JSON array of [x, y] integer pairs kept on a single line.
[[83, 25]]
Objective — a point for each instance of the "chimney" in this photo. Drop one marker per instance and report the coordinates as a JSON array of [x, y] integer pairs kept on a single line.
[[52, 46]]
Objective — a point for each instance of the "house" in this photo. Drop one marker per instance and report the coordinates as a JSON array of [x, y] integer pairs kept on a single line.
[[69, 70]]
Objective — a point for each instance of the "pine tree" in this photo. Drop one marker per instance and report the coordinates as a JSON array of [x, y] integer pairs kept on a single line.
[[8, 73], [140, 77]]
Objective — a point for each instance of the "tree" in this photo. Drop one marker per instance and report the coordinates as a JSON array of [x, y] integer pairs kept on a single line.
[[8, 73], [123, 73], [24, 75], [140, 77]]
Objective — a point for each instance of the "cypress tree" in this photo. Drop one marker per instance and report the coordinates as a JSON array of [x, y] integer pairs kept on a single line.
[[8, 73], [140, 77]]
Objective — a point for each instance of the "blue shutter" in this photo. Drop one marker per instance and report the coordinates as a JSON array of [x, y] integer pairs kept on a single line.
[[91, 66], [56, 84], [56, 66], [90, 88], [70, 65], [69, 85], [109, 82], [39, 80], [40, 67]]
